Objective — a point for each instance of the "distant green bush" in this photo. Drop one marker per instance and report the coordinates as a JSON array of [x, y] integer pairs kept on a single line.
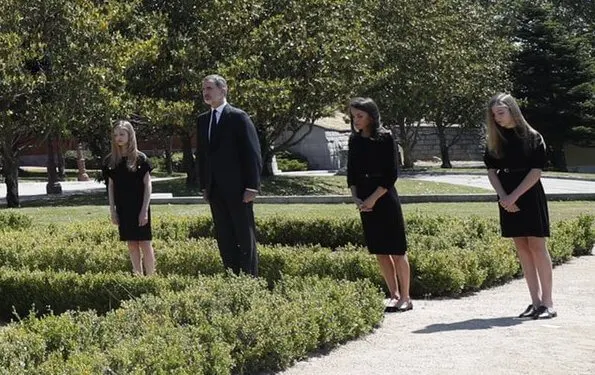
[[91, 161], [287, 161]]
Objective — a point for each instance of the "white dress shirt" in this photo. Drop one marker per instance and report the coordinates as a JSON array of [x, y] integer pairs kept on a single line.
[[217, 114]]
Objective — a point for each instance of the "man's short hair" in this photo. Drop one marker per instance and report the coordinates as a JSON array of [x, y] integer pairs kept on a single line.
[[219, 81]]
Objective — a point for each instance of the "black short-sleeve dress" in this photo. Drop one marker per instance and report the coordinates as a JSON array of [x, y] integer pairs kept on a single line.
[[372, 163], [129, 191], [517, 160]]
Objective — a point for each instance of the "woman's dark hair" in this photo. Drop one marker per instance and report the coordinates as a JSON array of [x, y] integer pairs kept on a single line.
[[369, 106]]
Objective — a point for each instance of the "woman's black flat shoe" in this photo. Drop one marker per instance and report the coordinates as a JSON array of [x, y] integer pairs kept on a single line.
[[405, 306], [544, 312], [391, 306], [529, 312]]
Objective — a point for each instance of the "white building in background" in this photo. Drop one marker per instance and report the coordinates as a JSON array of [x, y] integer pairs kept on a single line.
[[325, 147]]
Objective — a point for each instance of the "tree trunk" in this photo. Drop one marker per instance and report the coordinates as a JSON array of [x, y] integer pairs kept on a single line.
[[407, 156], [405, 143], [80, 163], [558, 157], [53, 186], [61, 162], [443, 146], [10, 170], [169, 165], [267, 163], [190, 166]]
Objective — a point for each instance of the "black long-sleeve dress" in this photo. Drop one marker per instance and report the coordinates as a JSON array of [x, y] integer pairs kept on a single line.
[[129, 192], [517, 160], [372, 163]]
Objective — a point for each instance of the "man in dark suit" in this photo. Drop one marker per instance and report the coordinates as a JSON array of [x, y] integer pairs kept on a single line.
[[229, 164]]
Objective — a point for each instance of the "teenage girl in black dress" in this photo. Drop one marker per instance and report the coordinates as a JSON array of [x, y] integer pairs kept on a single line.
[[129, 190], [515, 156]]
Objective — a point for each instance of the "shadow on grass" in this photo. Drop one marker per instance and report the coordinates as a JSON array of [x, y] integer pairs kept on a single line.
[[274, 185], [95, 198]]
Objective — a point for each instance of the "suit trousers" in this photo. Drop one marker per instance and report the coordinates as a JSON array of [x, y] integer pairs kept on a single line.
[[235, 232]]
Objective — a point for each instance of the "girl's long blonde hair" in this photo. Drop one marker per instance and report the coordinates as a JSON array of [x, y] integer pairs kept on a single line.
[[522, 128], [132, 152]]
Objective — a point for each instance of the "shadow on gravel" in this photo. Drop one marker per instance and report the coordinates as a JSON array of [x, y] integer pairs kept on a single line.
[[471, 324]]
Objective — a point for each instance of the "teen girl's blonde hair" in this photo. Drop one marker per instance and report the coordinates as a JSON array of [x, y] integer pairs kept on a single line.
[[132, 152], [522, 128]]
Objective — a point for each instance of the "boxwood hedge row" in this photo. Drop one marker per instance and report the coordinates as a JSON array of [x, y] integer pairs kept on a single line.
[[465, 256], [221, 325]]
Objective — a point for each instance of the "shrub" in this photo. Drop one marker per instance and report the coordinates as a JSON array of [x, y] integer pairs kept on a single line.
[[287, 161], [59, 291], [451, 262], [91, 161], [222, 325], [14, 221]]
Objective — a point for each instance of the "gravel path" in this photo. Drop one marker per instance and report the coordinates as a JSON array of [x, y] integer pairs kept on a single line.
[[478, 334]]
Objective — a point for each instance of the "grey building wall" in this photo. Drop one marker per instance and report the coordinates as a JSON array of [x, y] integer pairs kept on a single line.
[[321, 147]]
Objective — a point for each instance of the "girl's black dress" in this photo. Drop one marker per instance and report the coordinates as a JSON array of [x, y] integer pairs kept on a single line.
[[372, 163], [532, 220], [129, 190]]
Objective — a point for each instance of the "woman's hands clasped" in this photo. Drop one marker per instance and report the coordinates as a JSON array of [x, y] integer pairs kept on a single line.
[[364, 205], [509, 203]]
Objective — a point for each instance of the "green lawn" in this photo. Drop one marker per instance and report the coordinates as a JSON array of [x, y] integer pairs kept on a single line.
[[321, 185], [46, 215]]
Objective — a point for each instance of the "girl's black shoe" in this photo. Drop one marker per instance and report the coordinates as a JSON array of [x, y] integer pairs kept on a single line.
[[529, 312], [544, 312]]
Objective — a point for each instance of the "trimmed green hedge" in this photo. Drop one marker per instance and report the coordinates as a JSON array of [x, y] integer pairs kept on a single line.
[[466, 257], [14, 221], [182, 322], [59, 291], [222, 325]]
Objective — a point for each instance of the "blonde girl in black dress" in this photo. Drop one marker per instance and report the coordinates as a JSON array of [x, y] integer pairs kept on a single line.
[[371, 176], [129, 191], [515, 156]]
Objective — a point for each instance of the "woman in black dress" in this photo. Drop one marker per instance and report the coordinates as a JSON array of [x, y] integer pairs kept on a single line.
[[371, 176], [515, 156], [127, 174]]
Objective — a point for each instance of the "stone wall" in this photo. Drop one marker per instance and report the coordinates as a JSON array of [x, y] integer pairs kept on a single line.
[[469, 147], [327, 149]]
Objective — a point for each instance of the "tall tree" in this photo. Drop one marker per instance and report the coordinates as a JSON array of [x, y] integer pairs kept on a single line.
[[437, 62], [302, 60], [77, 53], [195, 39], [554, 74]]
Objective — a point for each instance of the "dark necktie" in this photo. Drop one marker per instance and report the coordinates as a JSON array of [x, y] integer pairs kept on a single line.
[[213, 123]]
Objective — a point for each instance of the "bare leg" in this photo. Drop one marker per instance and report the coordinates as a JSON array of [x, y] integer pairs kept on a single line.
[[529, 269], [543, 265], [404, 275], [148, 257], [134, 251], [389, 272]]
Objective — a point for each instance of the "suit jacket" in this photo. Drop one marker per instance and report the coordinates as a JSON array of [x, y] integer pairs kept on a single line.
[[231, 159]]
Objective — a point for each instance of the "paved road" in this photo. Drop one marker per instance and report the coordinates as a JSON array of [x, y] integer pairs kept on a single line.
[[38, 188], [550, 185], [478, 335], [27, 189]]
